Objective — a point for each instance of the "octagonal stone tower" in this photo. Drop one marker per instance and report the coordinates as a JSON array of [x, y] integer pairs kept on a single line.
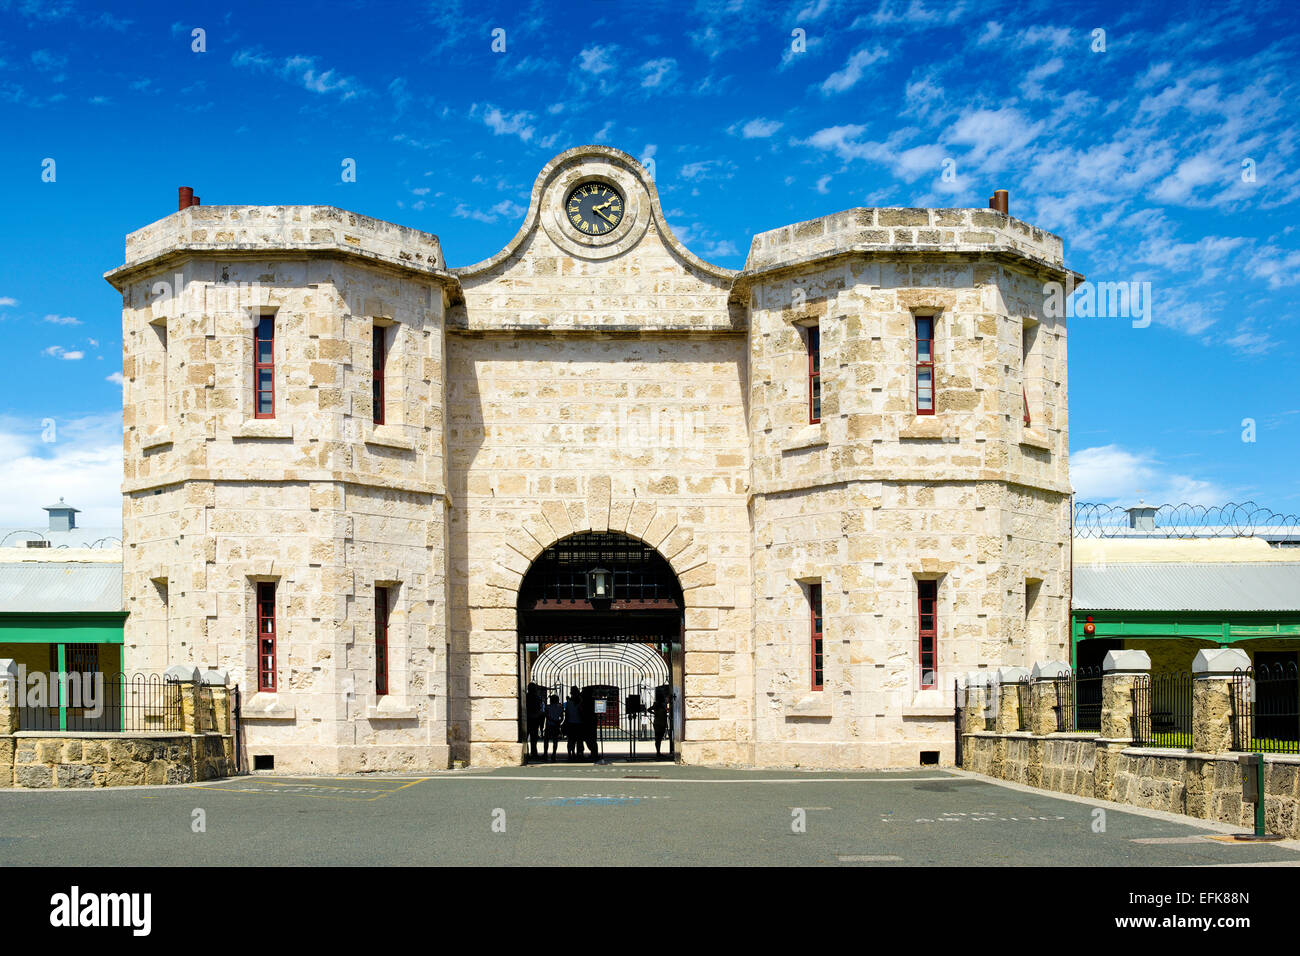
[[227, 487], [593, 382], [890, 500]]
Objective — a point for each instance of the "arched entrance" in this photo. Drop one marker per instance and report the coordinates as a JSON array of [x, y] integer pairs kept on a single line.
[[602, 612]]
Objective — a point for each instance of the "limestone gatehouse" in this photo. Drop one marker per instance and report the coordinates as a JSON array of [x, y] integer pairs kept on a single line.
[[789, 503]]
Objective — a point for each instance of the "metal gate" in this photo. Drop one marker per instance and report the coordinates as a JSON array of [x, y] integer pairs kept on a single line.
[[626, 715]]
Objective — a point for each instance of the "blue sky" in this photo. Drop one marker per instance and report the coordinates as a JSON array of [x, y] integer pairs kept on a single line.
[[1169, 156]]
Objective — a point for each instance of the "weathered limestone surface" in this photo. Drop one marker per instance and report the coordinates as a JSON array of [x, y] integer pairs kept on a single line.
[[574, 383]]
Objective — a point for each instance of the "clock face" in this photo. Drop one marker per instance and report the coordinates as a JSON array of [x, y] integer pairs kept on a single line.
[[594, 209]]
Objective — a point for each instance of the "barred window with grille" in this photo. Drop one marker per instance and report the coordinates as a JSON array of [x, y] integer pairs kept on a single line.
[[818, 643], [264, 368], [927, 612], [925, 365], [381, 641], [814, 343], [266, 636]]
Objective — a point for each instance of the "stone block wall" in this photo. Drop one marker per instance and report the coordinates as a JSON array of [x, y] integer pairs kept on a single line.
[[1202, 783], [874, 497], [578, 383]]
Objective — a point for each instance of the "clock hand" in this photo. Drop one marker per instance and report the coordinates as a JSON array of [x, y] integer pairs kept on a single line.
[[596, 210]]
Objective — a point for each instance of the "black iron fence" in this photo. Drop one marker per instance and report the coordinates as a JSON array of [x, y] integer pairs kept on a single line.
[[1078, 701], [959, 720], [1266, 709], [101, 703], [1162, 710], [1022, 699]]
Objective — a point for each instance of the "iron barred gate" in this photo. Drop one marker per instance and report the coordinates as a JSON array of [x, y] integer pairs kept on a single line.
[[632, 713]]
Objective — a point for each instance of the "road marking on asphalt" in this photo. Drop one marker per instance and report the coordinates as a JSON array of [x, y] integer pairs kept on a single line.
[[1172, 841], [651, 780], [979, 816], [258, 791], [277, 788], [870, 859]]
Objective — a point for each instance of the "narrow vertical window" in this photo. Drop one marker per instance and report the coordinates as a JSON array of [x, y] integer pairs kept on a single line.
[[160, 330], [164, 601], [1026, 341], [925, 365], [381, 641], [927, 611], [266, 636], [814, 374], [264, 368], [818, 661], [377, 372]]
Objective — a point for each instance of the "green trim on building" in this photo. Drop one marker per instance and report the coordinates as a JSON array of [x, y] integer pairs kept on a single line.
[[1221, 628], [70, 628]]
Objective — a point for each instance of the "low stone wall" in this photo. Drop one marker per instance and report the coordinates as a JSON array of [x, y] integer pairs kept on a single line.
[[1199, 785], [43, 760], [201, 748]]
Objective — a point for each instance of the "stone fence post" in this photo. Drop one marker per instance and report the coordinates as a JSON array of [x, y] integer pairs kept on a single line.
[[216, 683], [182, 680], [979, 696], [8, 698], [1044, 680], [1006, 720], [1213, 670], [1120, 671]]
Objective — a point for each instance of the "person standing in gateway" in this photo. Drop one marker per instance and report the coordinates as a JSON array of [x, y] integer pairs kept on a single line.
[[573, 722], [554, 721]]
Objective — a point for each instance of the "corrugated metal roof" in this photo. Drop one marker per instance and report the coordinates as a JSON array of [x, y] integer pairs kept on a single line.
[[1238, 586], [49, 586]]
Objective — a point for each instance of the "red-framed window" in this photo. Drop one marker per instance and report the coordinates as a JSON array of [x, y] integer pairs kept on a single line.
[[814, 374], [381, 641], [266, 636], [818, 659], [377, 372], [264, 368], [927, 610], [925, 365]]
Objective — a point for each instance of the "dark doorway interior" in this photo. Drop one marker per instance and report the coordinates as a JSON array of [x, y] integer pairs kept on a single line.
[[603, 613]]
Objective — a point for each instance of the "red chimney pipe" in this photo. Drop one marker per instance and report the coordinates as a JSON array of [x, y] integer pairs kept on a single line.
[[185, 198], [196, 201], [1001, 201]]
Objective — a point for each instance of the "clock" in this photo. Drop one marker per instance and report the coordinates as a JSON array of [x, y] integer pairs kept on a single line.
[[594, 209]]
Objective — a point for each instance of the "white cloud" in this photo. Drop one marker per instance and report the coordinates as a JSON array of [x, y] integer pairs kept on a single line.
[[506, 208], [61, 320], [907, 163], [1032, 85], [83, 465], [509, 124], [658, 73], [853, 71], [59, 352], [302, 71], [116, 378], [720, 249], [757, 128], [707, 169], [995, 138], [596, 59], [7, 300], [895, 16], [1113, 474]]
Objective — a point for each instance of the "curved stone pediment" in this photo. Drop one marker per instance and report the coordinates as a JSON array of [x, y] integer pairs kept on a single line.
[[552, 277]]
